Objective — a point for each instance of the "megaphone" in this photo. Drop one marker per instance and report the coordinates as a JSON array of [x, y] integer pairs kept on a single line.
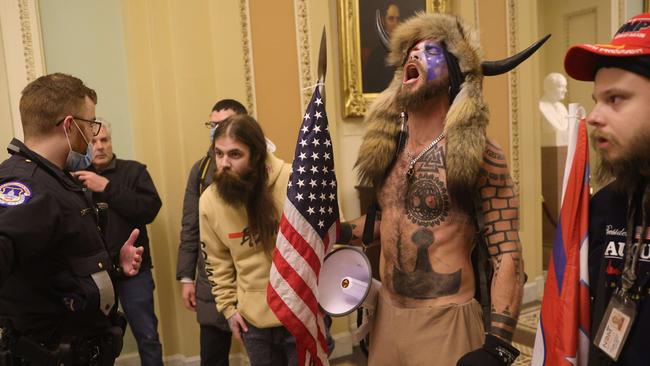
[[345, 281]]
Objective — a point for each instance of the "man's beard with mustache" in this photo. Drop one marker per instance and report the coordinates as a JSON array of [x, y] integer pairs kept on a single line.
[[233, 188], [412, 99], [632, 165]]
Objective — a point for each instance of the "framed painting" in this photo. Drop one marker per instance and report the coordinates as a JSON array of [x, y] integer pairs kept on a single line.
[[363, 59]]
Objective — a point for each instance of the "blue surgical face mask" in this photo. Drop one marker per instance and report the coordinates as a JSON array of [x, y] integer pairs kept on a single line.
[[76, 161]]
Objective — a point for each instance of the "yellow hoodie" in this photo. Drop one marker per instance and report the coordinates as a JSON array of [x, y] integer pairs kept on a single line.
[[237, 269]]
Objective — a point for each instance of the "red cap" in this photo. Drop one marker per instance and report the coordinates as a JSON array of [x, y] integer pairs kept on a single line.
[[632, 39]]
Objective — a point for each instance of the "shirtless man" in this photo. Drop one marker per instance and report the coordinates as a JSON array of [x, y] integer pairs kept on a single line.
[[428, 180]]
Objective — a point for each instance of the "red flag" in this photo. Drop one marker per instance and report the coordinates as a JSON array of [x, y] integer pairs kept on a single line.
[[308, 227], [563, 333]]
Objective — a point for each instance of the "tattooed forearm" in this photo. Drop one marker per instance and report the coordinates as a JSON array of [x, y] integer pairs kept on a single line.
[[503, 325], [502, 333], [346, 234], [501, 218], [350, 232], [500, 210]]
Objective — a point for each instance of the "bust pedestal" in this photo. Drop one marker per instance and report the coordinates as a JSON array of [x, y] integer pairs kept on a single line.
[[553, 158], [555, 123]]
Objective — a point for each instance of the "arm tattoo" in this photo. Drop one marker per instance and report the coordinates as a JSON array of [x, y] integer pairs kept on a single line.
[[500, 205], [346, 233], [501, 217], [503, 324], [502, 333]]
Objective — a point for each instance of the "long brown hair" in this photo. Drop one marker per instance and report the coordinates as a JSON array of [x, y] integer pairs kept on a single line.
[[260, 207]]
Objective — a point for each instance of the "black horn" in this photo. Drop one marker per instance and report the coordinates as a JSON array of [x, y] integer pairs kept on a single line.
[[491, 68], [381, 32]]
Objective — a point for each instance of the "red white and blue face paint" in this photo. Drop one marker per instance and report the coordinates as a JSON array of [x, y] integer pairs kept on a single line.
[[429, 57]]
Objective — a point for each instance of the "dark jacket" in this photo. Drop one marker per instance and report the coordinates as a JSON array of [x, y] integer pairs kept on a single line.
[[191, 263], [50, 241], [133, 202], [607, 237]]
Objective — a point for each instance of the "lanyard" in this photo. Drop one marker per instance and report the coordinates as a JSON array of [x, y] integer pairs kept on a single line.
[[632, 253]]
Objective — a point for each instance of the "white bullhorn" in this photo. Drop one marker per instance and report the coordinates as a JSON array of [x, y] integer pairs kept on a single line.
[[345, 281]]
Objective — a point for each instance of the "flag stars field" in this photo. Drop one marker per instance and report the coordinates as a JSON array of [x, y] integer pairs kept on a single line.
[[307, 230]]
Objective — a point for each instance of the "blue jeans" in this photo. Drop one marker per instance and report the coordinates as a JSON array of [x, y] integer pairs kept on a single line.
[[215, 346], [270, 346], [136, 297]]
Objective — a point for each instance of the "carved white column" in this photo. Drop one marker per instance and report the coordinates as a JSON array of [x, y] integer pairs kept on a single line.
[[23, 51]]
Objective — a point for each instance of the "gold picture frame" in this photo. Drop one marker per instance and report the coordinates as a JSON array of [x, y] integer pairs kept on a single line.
[[355, 98]]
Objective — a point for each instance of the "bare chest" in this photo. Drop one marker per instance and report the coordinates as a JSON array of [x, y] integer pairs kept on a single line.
[[425, 239], [417, 189]]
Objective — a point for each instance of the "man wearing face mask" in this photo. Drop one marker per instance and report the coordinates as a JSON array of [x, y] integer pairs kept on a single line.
[[127, 190], [215, 336], [57, 300]]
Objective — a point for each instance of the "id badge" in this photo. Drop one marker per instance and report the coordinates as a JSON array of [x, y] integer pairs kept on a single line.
[[615, 326]]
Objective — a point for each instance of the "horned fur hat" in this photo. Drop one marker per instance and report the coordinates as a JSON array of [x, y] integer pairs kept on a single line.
[[466, 119], [468, 115]]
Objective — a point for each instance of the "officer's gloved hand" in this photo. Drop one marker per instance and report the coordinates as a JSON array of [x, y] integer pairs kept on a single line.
[[494, 352]]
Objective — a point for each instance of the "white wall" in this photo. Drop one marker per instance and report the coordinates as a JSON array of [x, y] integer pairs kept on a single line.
[[6, 130], [85, 39]]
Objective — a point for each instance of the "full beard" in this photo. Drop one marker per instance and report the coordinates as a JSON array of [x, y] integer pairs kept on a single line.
[[413, 99], [233, 188], [630, 168]]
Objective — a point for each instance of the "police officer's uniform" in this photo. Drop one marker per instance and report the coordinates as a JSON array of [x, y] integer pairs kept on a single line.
[[55, 287]]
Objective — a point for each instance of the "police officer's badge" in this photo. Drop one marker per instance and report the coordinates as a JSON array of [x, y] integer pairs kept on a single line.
[[14, 194]]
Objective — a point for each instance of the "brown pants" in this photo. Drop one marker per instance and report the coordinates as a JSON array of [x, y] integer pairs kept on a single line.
[[424, 335]]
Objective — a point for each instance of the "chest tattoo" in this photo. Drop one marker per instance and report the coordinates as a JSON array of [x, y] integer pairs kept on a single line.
[[427, 200], [423, 282]]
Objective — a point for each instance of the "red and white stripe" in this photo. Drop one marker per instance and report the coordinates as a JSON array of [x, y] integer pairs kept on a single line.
[[293, 285]]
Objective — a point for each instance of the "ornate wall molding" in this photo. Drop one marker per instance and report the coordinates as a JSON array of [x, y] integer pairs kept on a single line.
[[622, 16], [21, 42], [249, 73], [514, 96], [354, 101], [438, 6], [304, 51], [567, 19], [27, 40]]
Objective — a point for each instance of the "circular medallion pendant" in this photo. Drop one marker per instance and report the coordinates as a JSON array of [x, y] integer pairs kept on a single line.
[[427, 201]]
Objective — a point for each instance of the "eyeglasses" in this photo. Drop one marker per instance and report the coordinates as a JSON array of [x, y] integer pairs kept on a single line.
[[211, 124], [95, 125]]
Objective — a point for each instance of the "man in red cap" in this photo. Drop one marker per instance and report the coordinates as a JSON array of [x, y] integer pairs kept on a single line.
[[619, 259]]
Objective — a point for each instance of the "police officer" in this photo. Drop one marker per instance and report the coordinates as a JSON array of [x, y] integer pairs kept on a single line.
[[57, 301]]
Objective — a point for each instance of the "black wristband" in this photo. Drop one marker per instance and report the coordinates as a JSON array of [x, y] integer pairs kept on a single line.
[[345, 233], [500, 349]]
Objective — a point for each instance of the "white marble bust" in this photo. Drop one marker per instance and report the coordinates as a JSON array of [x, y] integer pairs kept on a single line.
[[554, 112]]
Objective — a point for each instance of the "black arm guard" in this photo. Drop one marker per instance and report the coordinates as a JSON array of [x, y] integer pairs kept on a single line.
[[494, 352]]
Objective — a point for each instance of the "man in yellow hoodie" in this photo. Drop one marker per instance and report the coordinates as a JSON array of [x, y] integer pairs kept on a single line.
[[238, 216]]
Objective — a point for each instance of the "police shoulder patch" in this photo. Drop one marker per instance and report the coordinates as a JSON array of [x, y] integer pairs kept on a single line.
[[14, 194]]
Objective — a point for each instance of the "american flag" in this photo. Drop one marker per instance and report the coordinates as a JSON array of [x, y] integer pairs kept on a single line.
[[308, 227], [563, 331]]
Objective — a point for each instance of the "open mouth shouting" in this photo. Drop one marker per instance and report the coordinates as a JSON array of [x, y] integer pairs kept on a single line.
[[411, 73]]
